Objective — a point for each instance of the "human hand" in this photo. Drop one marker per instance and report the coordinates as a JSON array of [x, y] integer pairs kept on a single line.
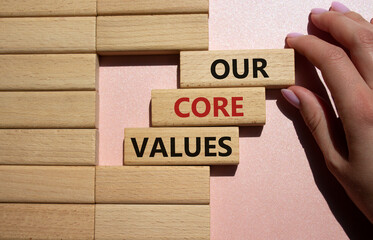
[[347, 147]]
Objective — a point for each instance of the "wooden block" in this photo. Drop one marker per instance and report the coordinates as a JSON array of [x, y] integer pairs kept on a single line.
[[47, 184], [47, 221], [240, 68], [138, 222], [48, 72], [47, 109], [208, 107], [125, 7], [48, 146], [48, 35], [37, 8], [158, 184], [157, 33], [181, 146]]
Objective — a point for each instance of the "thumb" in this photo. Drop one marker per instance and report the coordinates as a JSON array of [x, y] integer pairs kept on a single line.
[[320, 122]]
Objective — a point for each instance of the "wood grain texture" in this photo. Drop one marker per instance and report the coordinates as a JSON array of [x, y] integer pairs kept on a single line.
[[217, 146], [125, 7], [48, 72], [47, 109], [47, 221], [158, 184], [48, 146], [37, 8], [47, 184], [170, 33], [195, 68], [166, 222], [250, 103], [48, 35]]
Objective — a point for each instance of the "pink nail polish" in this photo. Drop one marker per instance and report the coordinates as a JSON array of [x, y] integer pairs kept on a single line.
[[339, 7], [294, 34], [318, 10], [291, 97]]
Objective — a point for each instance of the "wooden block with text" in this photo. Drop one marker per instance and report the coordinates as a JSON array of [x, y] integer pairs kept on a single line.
[[37, 8], [158, 184], [48, 72], [208, 107], [120, 7], [48, 146], [271, 68], [47, 221], [137, 222], [181, 146], [155, 33], [48, 35], [72, 109], [47, 184]]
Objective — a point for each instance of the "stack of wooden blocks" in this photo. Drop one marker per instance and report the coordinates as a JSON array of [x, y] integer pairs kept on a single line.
[[48, 66], [50, 186]]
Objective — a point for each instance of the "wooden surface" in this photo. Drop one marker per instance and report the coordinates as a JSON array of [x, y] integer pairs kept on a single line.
[[47, 184], [47, 221], [48, 35], [139, 222], [37, 8], [158, 184], [252, 108], [170, 33], [48, 72], [47, 109], [124, 7], [179, 146], [48, 146], [197, 68]]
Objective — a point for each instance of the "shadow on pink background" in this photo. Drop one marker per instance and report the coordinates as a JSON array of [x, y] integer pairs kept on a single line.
[[281, 189]]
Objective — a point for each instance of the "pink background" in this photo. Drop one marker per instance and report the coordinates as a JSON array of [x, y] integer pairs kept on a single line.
[[281, 189]]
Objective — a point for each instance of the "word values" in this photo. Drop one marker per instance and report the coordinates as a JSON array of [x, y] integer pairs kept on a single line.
[[181, 146]]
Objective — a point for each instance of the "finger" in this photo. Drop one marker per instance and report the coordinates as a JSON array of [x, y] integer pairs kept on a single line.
[[307, 76], [319, 121], [340, 75], [356, 37], [357, 18], [371, 21], [339, 7]]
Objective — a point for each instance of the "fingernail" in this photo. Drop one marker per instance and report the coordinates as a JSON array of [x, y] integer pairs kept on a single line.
[[339, 7], [318, 10], [294, 34], [291, 97]]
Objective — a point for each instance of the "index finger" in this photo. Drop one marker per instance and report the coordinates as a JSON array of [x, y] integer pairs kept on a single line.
[[357, 37], [340, 74]]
